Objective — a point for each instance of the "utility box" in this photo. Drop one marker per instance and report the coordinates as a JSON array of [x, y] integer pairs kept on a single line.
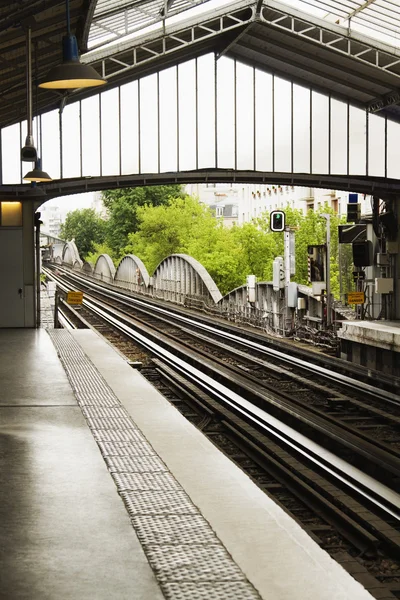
[[392, 247], [251, 288], [292, 295], [301, 304], [383, 285], [382, 260], [278, 281]]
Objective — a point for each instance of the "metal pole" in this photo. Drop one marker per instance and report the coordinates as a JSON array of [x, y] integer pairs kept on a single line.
[[56, 308], [328, 270], [38, 282], [287, 272]]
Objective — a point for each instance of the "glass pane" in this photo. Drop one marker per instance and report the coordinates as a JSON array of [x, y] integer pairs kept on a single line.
[[148, 124], [338, 137], [376, 146], [225, 113], [320, 133], [301, 129], [358, 141], [11, 214], [90, 136], [263, 121], [206, 111], [11, 153], [51, 144], [110, 132], [129, 129], [71, 145], [282, 125], [393, 149], [187, 116], [168, 121], [244, 116]]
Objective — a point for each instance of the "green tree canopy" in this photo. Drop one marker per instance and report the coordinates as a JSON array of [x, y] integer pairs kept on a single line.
[[229, 255], [86, 227], [122, 206]]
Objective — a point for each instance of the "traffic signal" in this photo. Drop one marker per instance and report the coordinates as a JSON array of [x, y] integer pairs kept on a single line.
[[362, 254], [353, 212], [277, 220]]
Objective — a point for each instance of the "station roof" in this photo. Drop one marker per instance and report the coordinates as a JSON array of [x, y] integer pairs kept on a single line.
[[349, 48]]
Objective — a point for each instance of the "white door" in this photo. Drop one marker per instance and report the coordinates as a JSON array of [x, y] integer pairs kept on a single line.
[[11, 279]]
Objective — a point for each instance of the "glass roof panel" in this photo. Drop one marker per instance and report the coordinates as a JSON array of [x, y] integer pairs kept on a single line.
[[114, 19], [379, 19]]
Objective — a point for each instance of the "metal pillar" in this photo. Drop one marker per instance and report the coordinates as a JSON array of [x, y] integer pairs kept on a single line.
[[328, 270]]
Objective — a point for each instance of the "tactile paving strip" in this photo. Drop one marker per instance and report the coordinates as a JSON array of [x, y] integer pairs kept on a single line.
[[209, 591], [193, 563], [173, 529], [113, 435], [135, 464], [145, 481], [158, 502], [115, 412], [188, 559], [127, 449]]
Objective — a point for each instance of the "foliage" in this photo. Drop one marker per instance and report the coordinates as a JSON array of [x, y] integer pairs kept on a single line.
[[122, 206], [97, 251], [229, 255], [162, 225], [86, 227]]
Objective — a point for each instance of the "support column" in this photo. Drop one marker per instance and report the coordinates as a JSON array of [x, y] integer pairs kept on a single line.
[[30, 281], [395, 246]]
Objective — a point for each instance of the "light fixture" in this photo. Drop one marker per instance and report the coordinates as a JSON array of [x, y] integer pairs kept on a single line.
[[37, 174], [71, 74], [29, 152]]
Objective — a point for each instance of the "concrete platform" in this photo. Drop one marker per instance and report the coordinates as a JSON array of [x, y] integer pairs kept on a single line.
[[64, 532], [372, 344], [206, 529]]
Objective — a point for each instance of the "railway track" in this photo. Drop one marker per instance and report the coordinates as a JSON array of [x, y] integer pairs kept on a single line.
[[344, 492]]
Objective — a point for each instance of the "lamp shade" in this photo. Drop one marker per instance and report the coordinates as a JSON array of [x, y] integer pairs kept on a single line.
[[37, 174], [29, 152], [71, 73]]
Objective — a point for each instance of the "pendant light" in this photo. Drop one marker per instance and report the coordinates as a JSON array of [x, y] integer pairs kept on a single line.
[[71, 74], [29, 152], [37, 174]]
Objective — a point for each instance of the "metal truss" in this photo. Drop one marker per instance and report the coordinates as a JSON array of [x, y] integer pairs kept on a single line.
[[152, 47], [318, 31], [379, 104], [112, 22]]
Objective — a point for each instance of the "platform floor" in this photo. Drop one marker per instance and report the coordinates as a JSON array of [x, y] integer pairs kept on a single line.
[[93, 459]]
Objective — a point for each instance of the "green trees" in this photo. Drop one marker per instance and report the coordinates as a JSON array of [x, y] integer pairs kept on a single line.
[[229, 255], [86, 227], [122, 206], [155, 222]]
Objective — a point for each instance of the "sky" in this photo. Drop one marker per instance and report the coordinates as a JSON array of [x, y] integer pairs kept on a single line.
[[69, 203]]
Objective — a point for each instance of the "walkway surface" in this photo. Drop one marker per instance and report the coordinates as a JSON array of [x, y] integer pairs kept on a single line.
[[93, 459]]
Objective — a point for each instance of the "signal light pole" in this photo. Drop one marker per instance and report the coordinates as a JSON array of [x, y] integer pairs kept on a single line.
[[328, 270]]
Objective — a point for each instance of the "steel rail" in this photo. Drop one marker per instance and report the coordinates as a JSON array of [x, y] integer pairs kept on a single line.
[[380, 495], [343, 380]]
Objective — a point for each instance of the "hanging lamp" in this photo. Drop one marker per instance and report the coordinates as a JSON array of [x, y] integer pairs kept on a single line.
[[37, 174], [29, 152], [71, 73]]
